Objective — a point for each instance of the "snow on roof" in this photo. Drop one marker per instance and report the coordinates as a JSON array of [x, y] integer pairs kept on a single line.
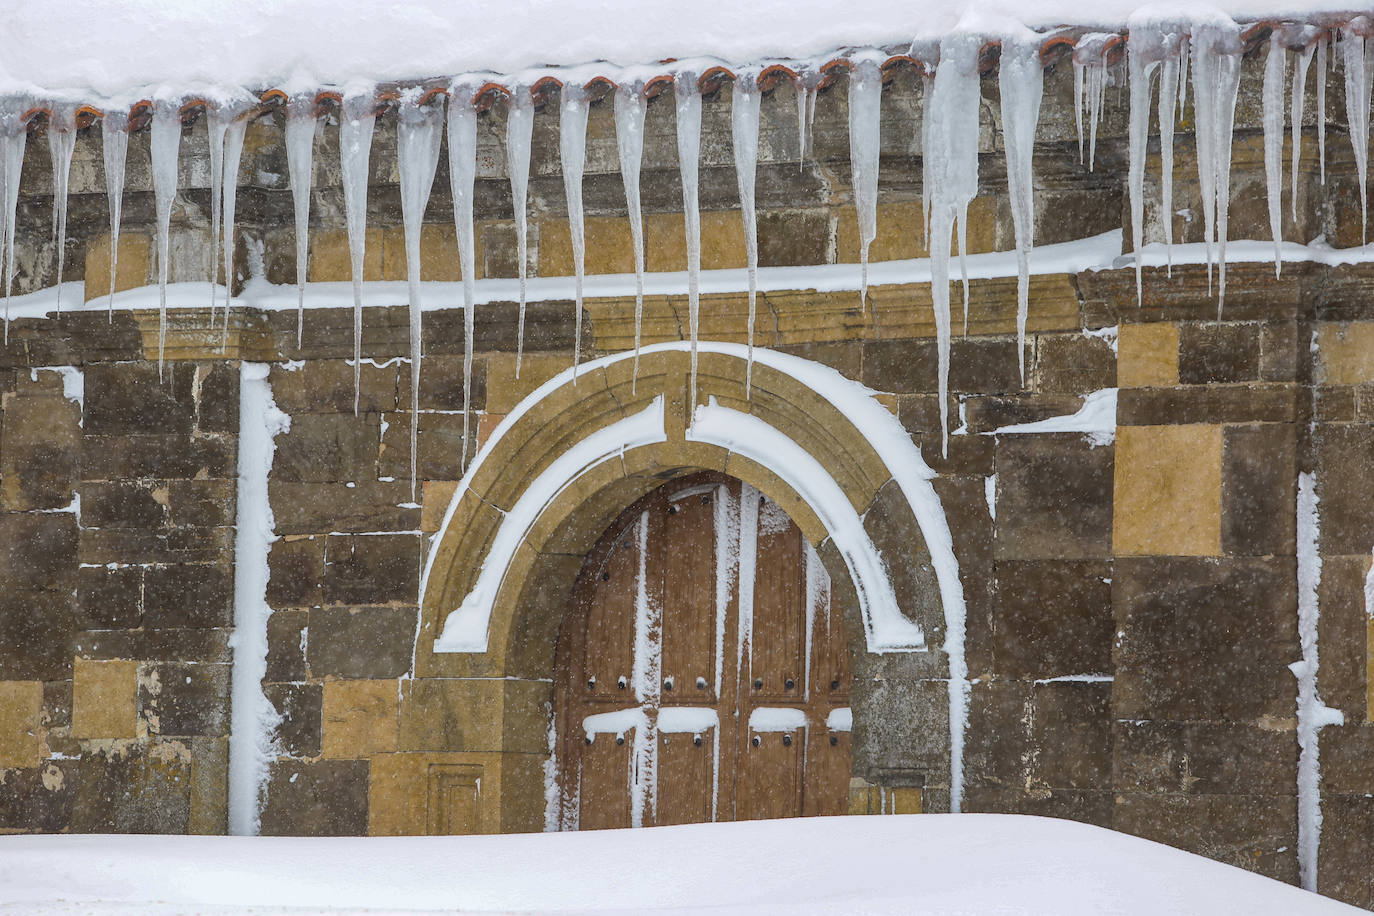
[[931, 864], [105, 49]]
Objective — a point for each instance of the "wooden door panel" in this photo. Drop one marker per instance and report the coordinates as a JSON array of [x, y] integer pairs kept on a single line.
[[688, 550], [777, 667], [611, 623], [604, 789], [770, 775], [828, 768], [830, 677], [686, 776]]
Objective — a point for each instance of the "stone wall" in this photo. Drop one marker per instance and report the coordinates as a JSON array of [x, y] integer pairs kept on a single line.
[[1132, 607]]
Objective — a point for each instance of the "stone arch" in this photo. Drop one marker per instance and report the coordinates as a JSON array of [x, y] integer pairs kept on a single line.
[[570, 457]]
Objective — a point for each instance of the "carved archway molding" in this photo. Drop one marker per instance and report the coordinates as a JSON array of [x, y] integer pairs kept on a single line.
[[574, 453]]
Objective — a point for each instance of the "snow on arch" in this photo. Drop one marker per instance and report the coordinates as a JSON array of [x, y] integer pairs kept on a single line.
[[465, 628]]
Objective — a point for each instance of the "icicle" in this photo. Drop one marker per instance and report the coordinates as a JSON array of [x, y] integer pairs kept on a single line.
[[1216, 78], [300, 152], [688, 97], [927, 166], [865, 111], [61, 145], [802, 105], [1170, 73], [519, 129], [629, 138], [166, 143], [216, 125], [114, 133], [14, 136], [1097, 80], [1184, 47], [1322, 45], [233, 153], [1078, 86], [1272, 104], [1138, 67], [744, 135], [418, 132], [358, 119], [1295, 131], [952, 147], [1021, 85], [462, 174], [1357, 86], [572, 146]]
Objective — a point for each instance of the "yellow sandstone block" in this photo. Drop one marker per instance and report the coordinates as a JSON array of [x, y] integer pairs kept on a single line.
[[1147, 355], [133, 268], [359, 718], [104, 699], [21, 731], [1167, 499], [1346, 352], [329, 256]]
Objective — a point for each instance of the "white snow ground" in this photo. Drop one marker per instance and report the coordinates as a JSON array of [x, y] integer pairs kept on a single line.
[[929, 864]]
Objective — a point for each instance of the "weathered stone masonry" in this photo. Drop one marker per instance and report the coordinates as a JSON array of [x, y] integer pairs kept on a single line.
[[1132, 607]]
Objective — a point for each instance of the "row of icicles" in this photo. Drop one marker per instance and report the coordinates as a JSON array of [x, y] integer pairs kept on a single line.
[[949, 143]]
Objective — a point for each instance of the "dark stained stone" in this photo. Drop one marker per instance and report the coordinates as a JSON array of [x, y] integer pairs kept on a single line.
[[163, 545], [987, 414], [1218, 352], [1204, 638], [109, 599], [984, 365], [1347, 758], [1053, 618], [300, 706], [1195, 758], [1343, 862], [1344, 467], [324, 798], [371, 569], [28, 805], [164, 456], [36, 630], [297, 569], [1088, 807], [900, 366], [1279, 352], [129, 399], [1255, 832], [39, 451], [440, 447], [368, 505], [328, 446], [188, 595], [201, 503], [191, 699], [285, 651], [1258, 476], [326, 386], [441, 383], [793, 237], [217, 409], [1231, 404], [133, 791], [360, 642], [1342, 635], [183, 644], [122, 504], [38, 550], [893, 528], [1054, 497], [1073, 364]]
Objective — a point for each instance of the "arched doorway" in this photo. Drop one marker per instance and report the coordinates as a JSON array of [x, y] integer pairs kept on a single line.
[[701, 674]]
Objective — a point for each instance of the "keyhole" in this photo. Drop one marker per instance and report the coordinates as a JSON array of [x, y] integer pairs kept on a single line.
[[701, 683], [705, 500], [757, 741], [789, 684], [787, 740]]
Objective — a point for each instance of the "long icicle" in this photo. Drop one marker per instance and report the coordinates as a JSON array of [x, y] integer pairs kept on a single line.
[[301, 121], [688, 97], [1021, 85], [14, 135], [744, 137], [572, 148], [927, 165], [166, 143], [1275, 76], [1170, 71], [1295, 129], [217, 123], [418, 135], [519, 129], [1357, 87], [462, 175], [61, 145], [865, 112], [114, 136], [1078, 87], [629, 138], [233, 154], [1323, 44], [1139, 66], [359, 118], [1216, 79]]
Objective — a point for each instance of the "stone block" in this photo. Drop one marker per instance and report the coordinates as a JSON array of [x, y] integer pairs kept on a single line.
[[360, 642], [296, 567], [109, 599], [123, 503], [328, 447], [134, 787], [40, 550], [609, 247], [1148, 355], [323, 798], [217, 408], [1196, 758], [184, 644], [441, 382], [36, 630], [1073, 363], [440, 446], [435, 499], [1053, 618], [103, 699], [1167, 491], [187, 700], [1344, 466], [286, 636], [101, 546], [722, 241], [326, 386], [437, 793], [305, 508], [209, 815], [1345, 353], [505, 390], [1343, 630], [201, 503], [133, 270], [901, 232], [1204, 639], [21, 724], [1207, 404], [130, 399], [1258, 477], [1053, 497], [794, 238], [164, 456], [452, 715], [299, 705], [1251, 831], [360, 718], [1343, 864], [438, 253], [39, 452], [1218, 352], [38, 799], [330, 258], [371, 569]]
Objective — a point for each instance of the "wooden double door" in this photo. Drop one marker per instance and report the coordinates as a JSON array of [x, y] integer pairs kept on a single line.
[[702, 674]]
